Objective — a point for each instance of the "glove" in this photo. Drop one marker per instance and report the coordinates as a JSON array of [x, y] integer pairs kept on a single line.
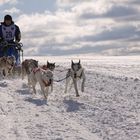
[[16, 42]]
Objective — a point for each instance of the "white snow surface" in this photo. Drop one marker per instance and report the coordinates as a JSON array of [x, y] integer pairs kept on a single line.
[[109, 109]]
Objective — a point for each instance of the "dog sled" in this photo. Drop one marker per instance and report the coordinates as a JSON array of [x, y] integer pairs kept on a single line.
[[12, 49]]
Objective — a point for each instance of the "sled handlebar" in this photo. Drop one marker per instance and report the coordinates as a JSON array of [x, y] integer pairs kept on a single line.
[[14, 44]]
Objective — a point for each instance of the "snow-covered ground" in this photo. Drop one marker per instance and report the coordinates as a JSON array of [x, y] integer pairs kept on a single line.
[[109, 109]]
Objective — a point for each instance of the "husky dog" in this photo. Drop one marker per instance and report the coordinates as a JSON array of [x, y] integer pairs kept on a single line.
[[6, 65], [11, 60], [27, 65], [43, 77], [50, 66], [75, 73]]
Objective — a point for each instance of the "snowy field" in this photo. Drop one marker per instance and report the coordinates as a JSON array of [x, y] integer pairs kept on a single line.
[[109, 109]]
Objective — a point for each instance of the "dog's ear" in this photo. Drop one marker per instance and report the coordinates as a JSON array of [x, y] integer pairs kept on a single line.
[[72, 62], [48, 62], [79, 61]]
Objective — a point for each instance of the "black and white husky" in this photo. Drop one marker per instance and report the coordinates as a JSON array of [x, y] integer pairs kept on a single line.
[[75, 73]]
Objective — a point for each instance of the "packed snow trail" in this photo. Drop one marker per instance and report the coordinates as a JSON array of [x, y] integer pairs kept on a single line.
[[25, 117], [109, 109]]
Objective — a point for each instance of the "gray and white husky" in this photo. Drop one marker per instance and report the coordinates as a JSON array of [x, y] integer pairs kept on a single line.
[[75, 73], [44, 78]]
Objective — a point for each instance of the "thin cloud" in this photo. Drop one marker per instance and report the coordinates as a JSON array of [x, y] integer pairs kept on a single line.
[[12, 11], [13, 2], [69, 3], [105, 9], [119, 32]]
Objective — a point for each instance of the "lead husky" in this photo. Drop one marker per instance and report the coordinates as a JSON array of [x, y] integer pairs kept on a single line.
[[75, 73], [44, 78]]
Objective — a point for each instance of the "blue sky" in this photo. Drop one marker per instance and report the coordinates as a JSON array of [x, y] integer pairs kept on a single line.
[[63, 27]]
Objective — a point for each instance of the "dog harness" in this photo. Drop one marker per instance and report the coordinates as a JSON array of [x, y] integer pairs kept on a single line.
[[46, 83], [34, 70]]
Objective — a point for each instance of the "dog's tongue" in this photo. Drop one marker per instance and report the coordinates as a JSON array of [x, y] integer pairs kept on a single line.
[[46, 83]]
